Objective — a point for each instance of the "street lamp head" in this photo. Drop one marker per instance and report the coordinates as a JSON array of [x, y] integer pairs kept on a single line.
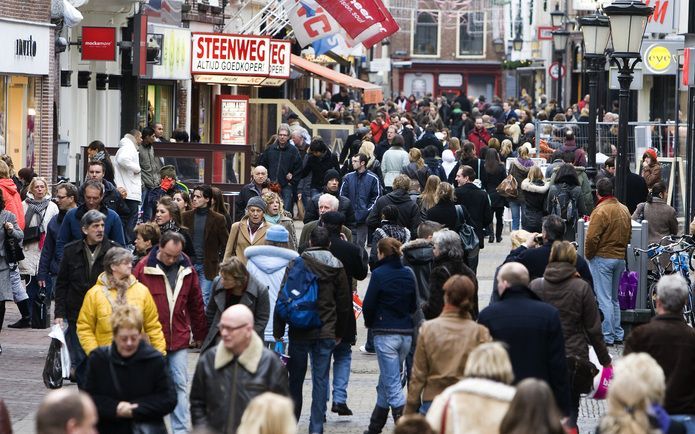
[[517, 43], [498, 45], [560, 38], [557, 17], [628, 20], [596, 30]]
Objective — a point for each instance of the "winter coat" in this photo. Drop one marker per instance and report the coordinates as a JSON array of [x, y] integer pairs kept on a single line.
[[180, 308], [247, 192], [419, 174], [637, 191], [215, 235], [584, 184], [240, 238], [651, 174], [334, 301], [393, 162], [575, 193], [491, 181], [479, 138], [75, 278], [344, 207], [32, 251], [443, 346], [408, 212], [671, 342], [535, 194], [478, 166], [267, 265], [112, 198], [71, 229], [255, 297], [471, 406], [316, 167], [661, 217], [477, 205], [578, 155], [519, 172], [444, 212], [434, 167], [49, 263], [309, 228], [363, 190], [5, 284], [143, 379], [429, 139], [94, 322], [610, 229], [387, 230], [281, 161], [188, 248], [572, 296], [13, 200], [224, 384], [536, 261], [149, 166], [419, 257], [532, 331], [389, 303], [127, 172], [443, 267]]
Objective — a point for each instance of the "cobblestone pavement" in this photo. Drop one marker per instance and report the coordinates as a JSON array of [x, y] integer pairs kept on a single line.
[[24, 352]]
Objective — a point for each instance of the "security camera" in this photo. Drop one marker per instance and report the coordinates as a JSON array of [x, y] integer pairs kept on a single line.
[[61, 44]]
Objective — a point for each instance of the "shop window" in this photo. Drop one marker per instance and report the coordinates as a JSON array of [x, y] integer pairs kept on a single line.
[[157, 106], [20, 124], [471, 34], [3, 113], [426, 35]]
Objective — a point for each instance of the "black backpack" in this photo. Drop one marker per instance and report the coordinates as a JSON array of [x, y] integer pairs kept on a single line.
[[565, 206]]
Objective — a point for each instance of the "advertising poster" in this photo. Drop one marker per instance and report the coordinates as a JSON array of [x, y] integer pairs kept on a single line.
[[233, 119]]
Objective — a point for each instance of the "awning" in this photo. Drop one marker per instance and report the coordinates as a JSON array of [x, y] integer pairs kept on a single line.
[[373, 94]]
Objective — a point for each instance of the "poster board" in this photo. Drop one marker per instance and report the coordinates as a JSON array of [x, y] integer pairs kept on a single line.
[[232, 120]]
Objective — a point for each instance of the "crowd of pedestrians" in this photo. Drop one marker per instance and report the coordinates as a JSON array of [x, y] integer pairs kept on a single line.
[[144, 270]]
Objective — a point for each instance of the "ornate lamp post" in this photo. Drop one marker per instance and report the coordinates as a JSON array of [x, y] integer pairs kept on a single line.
[[560, 38], [596, 32], [628, 20]]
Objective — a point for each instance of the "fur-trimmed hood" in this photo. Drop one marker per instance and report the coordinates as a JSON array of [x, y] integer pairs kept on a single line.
[[249, 359], [533, 187], [484, 387]]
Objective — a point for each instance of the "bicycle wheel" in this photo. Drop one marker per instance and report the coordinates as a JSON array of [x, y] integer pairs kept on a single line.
[[652, 280], [688, 313]]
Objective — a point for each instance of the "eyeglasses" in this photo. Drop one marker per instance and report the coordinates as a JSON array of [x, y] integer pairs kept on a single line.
[[60, 197], [232, 328]]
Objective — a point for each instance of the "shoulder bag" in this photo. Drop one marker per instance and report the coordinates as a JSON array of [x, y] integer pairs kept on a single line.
[[508, 187], [13, 247], [466, 232]]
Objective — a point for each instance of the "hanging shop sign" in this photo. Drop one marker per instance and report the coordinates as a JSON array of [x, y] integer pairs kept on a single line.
[[99, 43], [232, 119], [175, 53], [660, 57], [239, 59], [663, 20], [28, 48]]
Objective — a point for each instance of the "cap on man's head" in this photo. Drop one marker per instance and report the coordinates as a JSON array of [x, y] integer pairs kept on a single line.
[[257, 202], [277, 234], [333, 218], [167, 171], [331, 174]]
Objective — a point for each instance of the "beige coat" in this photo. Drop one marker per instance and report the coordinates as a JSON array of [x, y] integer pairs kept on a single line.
[[472, 406], [661, 217], [240, 239], [610, 229]]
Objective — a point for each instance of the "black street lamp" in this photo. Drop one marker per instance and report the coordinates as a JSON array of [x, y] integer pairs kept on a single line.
[[628, 20], [560, 38], [517, 43], [498, 46], [596, 32]]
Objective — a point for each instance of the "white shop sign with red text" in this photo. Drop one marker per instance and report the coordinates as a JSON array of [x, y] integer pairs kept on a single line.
[[223, 54]]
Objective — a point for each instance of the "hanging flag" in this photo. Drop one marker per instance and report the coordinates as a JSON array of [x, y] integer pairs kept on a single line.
[[388, 27], [310, 22], [363, 20]]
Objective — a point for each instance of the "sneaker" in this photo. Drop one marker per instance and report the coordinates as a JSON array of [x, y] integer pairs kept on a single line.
[[341, 408], [363, 349]]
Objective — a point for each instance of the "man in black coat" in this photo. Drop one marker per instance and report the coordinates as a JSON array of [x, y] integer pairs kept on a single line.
[[354, 261], [320, 160], [477, 205], [532, 331], [331, 182], [284, 164], [408, 212], [252, 189]]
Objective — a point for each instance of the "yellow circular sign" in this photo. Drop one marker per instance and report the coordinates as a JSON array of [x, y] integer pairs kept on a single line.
[[658, 58]]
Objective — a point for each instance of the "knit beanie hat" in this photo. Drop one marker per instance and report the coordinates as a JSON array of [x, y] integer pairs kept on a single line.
[[278, 234], [257, 202], [331, 174], [651, 152], [168, 170]]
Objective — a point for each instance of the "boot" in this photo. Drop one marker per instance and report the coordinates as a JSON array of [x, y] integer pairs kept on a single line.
[[378, 420], [397, 412], [491, 239], [25, 321]]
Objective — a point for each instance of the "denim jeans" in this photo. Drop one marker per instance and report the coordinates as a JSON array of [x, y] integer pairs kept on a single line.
[[686, 419], [342, 358], [130, 220], [606, 274], [425, 407], [78, 358], [517, 208], [390, 354], [205, 284], [19, 293], [287, 198], [319, 350], [177, 362]]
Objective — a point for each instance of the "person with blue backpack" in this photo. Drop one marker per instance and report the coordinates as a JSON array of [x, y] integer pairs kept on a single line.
[[315, 302]]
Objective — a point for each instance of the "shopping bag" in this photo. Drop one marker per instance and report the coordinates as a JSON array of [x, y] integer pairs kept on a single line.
[[40, 308], [356, 305], [57, 364], [627, 290], [602, 380], [280, 351]]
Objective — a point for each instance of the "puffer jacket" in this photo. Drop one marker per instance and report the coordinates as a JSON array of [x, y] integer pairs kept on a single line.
[[32, 252], [389, 303], [94, 321], [180, 308], [267, 264], [572, 296], [127, 173], [584, 184], [363, 190], [255, 297], [334, 301], [408, 212], [610, 229], [419, 257], [519, 172], [442, 349], [473, 406], [223, 385], [13, 200], [651, 174], [535, 194]]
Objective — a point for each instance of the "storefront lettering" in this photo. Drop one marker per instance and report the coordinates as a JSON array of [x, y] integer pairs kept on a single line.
[[25, 47], [225, 48]]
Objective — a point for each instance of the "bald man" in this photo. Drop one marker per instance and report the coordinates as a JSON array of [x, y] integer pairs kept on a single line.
[[235, 371], [259, 175], [66, 411], [532, 331]]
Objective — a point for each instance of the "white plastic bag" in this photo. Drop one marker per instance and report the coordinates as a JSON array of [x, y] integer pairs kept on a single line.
[[57, 333], [71, 15]]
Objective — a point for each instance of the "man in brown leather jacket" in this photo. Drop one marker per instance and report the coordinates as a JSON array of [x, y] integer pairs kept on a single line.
[[234, 372]]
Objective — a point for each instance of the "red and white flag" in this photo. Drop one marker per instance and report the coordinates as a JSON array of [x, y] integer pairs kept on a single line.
[[366, 21], [311, 22]]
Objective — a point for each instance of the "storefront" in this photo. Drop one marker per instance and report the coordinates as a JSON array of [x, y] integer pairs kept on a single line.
[[24, 107], [450, 78]]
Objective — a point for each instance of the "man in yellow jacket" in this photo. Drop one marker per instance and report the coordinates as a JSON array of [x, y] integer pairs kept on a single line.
[[116, 285]]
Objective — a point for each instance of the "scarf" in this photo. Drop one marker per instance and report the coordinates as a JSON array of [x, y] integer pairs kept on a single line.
[[99, 156], [38, 206], [273, 220], [169, 226], [604, 198]]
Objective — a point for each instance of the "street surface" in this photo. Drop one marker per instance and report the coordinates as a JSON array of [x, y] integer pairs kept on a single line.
[[24, 353]]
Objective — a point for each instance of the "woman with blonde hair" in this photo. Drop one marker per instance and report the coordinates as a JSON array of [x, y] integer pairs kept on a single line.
[[479, 402], [416, 169], [506, 150], [514, 133], [535, 193], [367, 148], [275, 215], [268, 413], [428, 197], [444, 211]]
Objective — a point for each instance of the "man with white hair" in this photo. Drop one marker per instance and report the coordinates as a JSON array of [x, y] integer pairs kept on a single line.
[[671, 342], [254, 188], [327, 202]]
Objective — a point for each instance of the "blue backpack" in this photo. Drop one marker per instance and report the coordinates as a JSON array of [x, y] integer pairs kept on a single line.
[[297, 302]]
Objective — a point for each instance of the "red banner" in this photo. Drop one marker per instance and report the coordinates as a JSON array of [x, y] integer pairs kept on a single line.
[[355, 16], [99, 43], [388, 27]]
